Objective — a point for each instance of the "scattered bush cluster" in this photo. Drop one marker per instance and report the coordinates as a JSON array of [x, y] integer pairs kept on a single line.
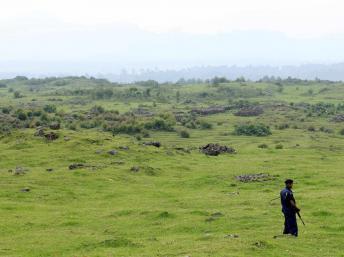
[[252, 130]]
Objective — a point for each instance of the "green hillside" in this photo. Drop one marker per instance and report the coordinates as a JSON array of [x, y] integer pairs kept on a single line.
[[79, 177]]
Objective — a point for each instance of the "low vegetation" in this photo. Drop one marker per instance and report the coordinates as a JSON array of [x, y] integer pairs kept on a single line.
[[95, 168]]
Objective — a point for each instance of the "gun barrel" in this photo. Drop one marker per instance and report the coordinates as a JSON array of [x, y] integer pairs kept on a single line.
[[298, 214]]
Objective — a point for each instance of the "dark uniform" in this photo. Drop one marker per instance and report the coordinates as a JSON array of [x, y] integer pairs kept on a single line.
[[290, 224]]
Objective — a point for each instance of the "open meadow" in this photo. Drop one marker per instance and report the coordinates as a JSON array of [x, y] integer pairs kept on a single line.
[[93, 168]]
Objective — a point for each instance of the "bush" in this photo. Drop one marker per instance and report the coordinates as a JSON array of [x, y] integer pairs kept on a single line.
[[326, 130], [159, 124], [341, 132], [72, 126], [263, 146], [97, 109], [49, 108], [259, 130], [21, 115], [17, 95], [311, 129], [205, 125], [6, 110], [145, 134], [2, 85], [127, 129], [89, 124], [184, 134], [279, 146], [283, 126], [102, 93]]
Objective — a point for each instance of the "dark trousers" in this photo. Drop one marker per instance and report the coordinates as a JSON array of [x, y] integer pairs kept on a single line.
[[290, 224]]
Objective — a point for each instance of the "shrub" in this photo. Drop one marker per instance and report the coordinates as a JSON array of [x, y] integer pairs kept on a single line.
[[49, 108], [21, 115], [259, 130], [205, 125], [159, 124], [311, 129], [283, 126], [145, 134], [263, 146], [72, 126], [97, 109], [341, 132], [102, 93], [279, 146], [184, 134], [2, 85], [6, 110], [326, 130], [17, 95], [127, 129]]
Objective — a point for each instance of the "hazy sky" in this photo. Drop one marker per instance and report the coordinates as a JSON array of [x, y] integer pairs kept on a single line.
[[105, 30]]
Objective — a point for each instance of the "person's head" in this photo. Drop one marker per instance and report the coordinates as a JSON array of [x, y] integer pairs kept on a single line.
[[289, 183]]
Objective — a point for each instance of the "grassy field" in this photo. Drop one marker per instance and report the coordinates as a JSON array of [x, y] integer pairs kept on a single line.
[[173, 200]]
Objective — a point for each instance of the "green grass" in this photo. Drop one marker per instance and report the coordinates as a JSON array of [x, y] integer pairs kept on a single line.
[[178, 203]]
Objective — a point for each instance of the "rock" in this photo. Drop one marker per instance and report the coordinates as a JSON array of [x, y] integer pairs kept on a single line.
[[217, 214], [338, 118], [39, 132], [182, 149], [124, 147], [216, 149], [66, 138], [135, 169], [156, 144], [260, 244], [76, 166], [49, 169], [249, 111], [99, 151], [143, 112], [55, 126], [118, 162], [260, 177], [25, 189], [210, 110], [214, 216], [233, 193], [51, 136], [231, 236], [112, 152], [19, 171]]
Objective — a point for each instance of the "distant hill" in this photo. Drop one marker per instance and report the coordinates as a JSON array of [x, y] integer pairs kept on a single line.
[[334, 72]]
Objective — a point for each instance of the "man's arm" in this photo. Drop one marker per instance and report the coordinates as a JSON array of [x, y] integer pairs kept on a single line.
[[292, 202]]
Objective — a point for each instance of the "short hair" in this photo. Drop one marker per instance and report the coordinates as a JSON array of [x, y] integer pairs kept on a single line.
[[288, 181]]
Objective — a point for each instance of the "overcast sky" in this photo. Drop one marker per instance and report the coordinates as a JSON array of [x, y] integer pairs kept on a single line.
[[155, 33]]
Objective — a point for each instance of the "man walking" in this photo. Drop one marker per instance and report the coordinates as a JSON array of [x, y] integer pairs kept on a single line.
[[289, 209]]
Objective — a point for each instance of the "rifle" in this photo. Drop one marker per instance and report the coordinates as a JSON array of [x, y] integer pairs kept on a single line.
[[298, 214]]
